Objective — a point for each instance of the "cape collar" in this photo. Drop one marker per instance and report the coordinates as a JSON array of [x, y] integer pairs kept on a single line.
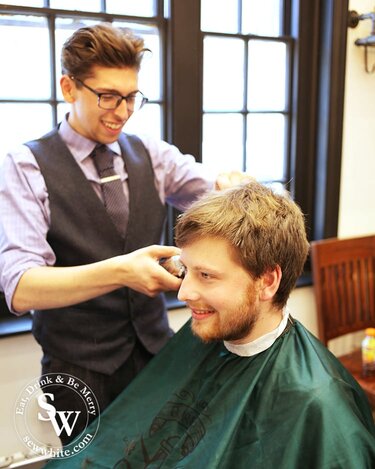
[[261, 343]]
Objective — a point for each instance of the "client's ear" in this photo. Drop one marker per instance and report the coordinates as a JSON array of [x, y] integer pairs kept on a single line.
[[269, 284]]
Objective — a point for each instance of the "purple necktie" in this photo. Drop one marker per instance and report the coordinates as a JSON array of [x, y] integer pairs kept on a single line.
[[113, 192]]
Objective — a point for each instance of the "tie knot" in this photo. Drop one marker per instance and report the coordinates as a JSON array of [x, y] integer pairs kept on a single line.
[[101, 147], [103, 158]]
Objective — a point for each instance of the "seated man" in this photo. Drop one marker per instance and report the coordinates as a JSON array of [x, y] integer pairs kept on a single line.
[[243, 385]]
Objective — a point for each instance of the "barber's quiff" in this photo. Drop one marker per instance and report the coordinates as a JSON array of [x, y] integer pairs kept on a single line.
[[102, 45], [264, 228]]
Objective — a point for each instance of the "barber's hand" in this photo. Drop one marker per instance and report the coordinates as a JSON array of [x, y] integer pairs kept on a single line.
[[231, 179], [141, 271]]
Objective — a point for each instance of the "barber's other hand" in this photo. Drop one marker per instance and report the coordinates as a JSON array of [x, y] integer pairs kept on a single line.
[[231, 179], [141, 271]]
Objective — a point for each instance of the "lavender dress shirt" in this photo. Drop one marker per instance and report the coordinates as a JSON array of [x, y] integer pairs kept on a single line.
[[24, 204]]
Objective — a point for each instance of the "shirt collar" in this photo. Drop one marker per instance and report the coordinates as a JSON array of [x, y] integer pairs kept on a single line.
[[79, 146], [261, 343]]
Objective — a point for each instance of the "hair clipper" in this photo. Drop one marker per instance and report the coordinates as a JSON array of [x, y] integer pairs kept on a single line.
[[173, 265]]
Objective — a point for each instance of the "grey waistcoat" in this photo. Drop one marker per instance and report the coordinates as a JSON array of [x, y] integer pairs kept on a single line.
[[99, 334]]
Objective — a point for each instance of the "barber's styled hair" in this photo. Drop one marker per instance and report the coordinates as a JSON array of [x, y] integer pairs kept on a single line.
[[102, 45], [264, 228]]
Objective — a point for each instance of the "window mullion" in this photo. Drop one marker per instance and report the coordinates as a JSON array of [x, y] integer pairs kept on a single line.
[[51, 26], [185, 116]]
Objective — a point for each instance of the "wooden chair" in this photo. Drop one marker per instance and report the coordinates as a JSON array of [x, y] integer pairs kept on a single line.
[[344, 287]]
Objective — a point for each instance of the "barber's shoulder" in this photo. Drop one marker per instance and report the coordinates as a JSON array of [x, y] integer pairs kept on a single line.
[[18, 158], [21, 155]]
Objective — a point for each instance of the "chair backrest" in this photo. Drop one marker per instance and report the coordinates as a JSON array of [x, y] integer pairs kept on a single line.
[[344, 285]]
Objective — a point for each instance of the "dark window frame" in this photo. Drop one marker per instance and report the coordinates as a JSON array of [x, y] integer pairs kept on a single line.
[[318, 112], [319, 30]]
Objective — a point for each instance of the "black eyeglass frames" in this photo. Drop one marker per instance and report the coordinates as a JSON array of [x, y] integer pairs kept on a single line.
[[111, 101]]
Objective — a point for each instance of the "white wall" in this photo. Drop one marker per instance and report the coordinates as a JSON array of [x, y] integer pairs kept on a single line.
[[357, 201]]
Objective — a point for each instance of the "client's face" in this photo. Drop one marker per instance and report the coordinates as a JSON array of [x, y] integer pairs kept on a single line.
[[219, 291]]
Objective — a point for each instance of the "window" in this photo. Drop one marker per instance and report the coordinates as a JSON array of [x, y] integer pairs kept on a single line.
[[311, 43], [246, 88], [30, 85]]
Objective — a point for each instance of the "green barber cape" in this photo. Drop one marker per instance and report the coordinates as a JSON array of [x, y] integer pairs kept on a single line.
[[199, 406]]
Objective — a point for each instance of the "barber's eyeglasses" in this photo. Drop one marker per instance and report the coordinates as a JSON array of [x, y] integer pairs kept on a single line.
[[110, 101]]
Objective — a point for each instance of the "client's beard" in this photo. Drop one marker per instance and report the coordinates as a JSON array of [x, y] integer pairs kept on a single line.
[[236, 328]]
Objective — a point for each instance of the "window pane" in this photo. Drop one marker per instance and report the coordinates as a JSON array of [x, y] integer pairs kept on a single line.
[[266, 146], [146, 121], [266, 76], [262, 17], [131, 7], [223, 142], [26, 3], [219, 16], [36, 121], [27, 74], [223, 78], [87, 5]]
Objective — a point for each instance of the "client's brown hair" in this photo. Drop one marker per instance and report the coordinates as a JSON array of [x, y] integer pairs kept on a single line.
[[265, 229]]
